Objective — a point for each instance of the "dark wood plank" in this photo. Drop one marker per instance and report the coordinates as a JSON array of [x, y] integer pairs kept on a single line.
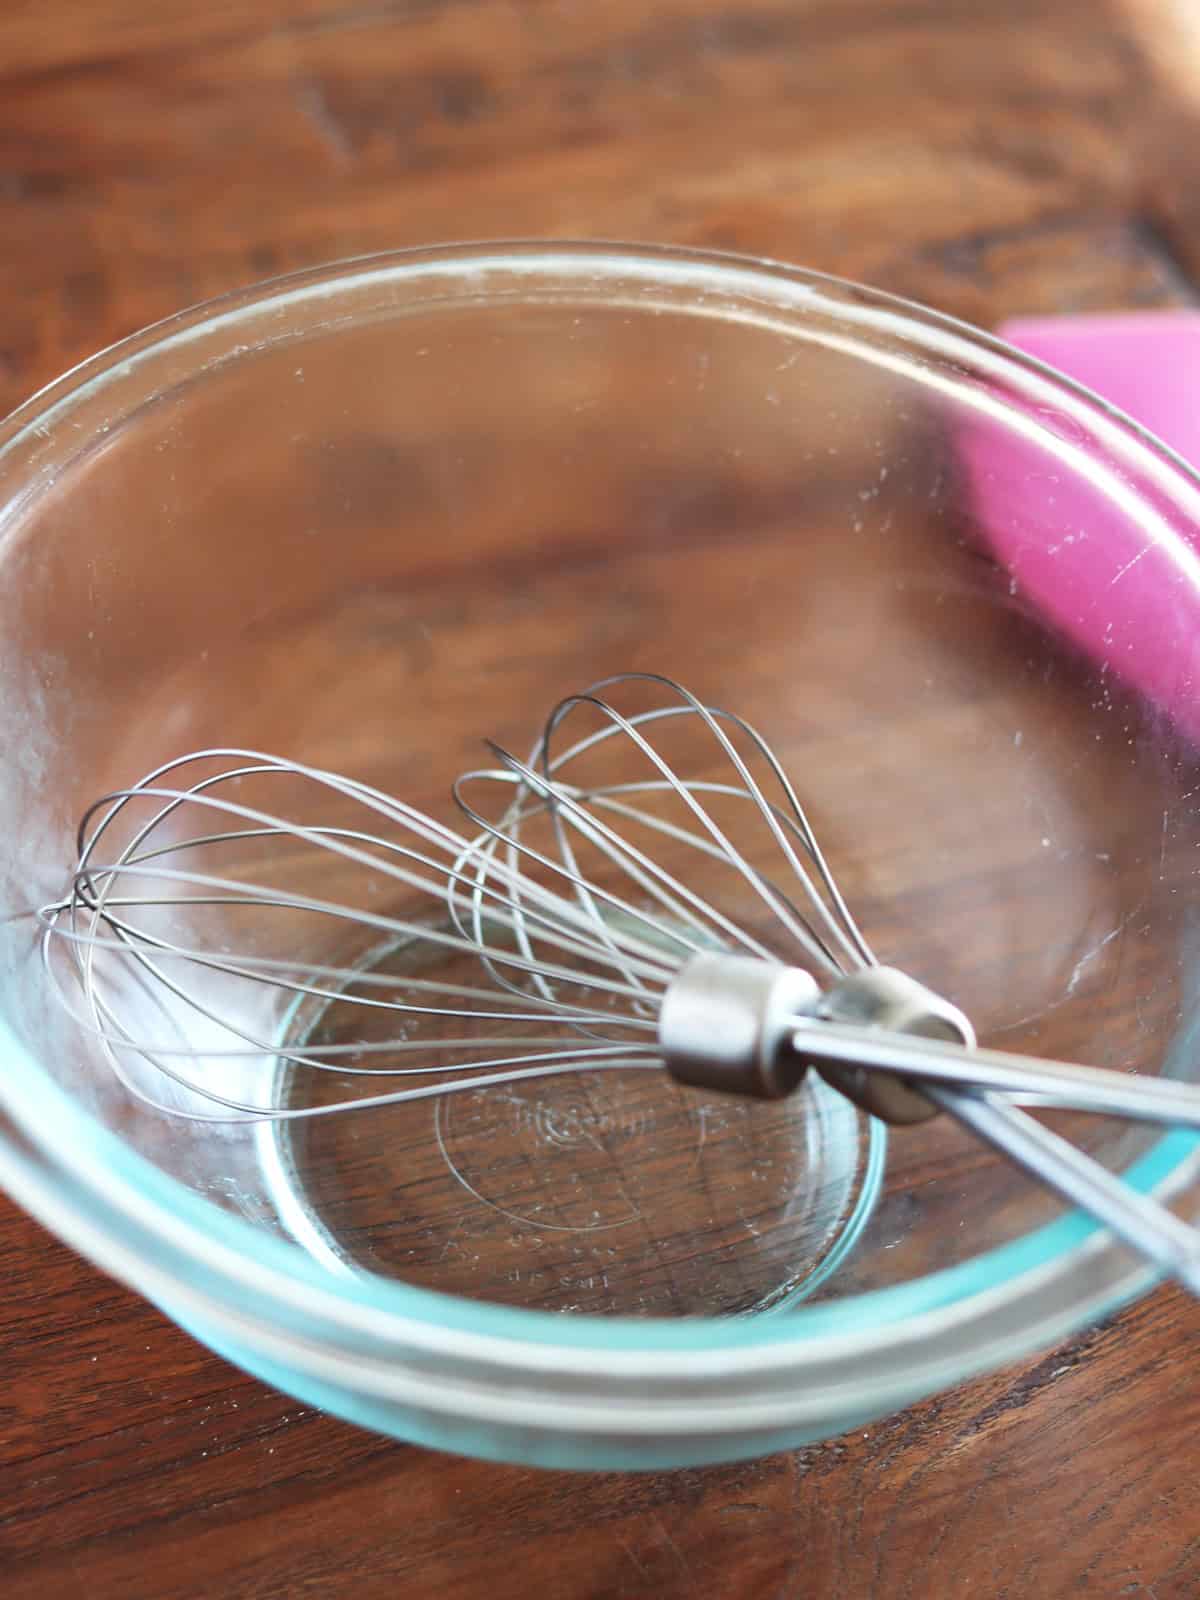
[[150, 176], [137, 1464], [988, 158]]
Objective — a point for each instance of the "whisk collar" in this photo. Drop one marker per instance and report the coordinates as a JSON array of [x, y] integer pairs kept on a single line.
[[726, 1024], [729, 1022]]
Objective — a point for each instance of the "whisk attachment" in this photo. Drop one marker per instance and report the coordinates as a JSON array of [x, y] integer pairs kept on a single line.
[[189, 947], [596, 909]]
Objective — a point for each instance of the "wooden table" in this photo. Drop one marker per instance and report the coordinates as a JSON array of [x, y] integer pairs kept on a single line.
[[986, 157]]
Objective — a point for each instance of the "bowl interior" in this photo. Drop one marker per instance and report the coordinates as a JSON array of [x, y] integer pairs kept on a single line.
[[366, 522]]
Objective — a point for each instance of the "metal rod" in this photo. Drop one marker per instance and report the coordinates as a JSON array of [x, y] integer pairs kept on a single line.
[[1139, 1220], [929, 1062]]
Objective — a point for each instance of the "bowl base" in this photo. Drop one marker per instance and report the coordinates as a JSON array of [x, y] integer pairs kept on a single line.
[[615, 1192]]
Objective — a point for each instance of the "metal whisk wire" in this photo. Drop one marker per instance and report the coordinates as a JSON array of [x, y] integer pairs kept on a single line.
[[94, 919], [825, 934], [482, 900]]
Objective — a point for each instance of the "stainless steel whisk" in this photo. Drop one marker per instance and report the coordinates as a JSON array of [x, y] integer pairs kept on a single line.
[[571, 911]]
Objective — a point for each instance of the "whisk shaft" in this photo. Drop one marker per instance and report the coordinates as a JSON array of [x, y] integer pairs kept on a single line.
[[1137, 1219]]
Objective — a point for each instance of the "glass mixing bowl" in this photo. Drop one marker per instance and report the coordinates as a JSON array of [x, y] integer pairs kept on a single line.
[[365, 516]]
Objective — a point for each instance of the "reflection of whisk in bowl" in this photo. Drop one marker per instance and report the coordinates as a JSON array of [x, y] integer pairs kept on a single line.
[[568, 934]]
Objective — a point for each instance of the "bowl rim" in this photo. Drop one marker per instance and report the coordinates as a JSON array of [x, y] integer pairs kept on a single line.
[[148, 1228]]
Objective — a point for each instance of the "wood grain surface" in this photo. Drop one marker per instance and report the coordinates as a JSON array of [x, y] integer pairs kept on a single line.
[[985, 157]]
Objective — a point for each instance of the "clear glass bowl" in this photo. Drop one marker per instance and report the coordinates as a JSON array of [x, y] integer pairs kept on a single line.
[[367, 515]]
